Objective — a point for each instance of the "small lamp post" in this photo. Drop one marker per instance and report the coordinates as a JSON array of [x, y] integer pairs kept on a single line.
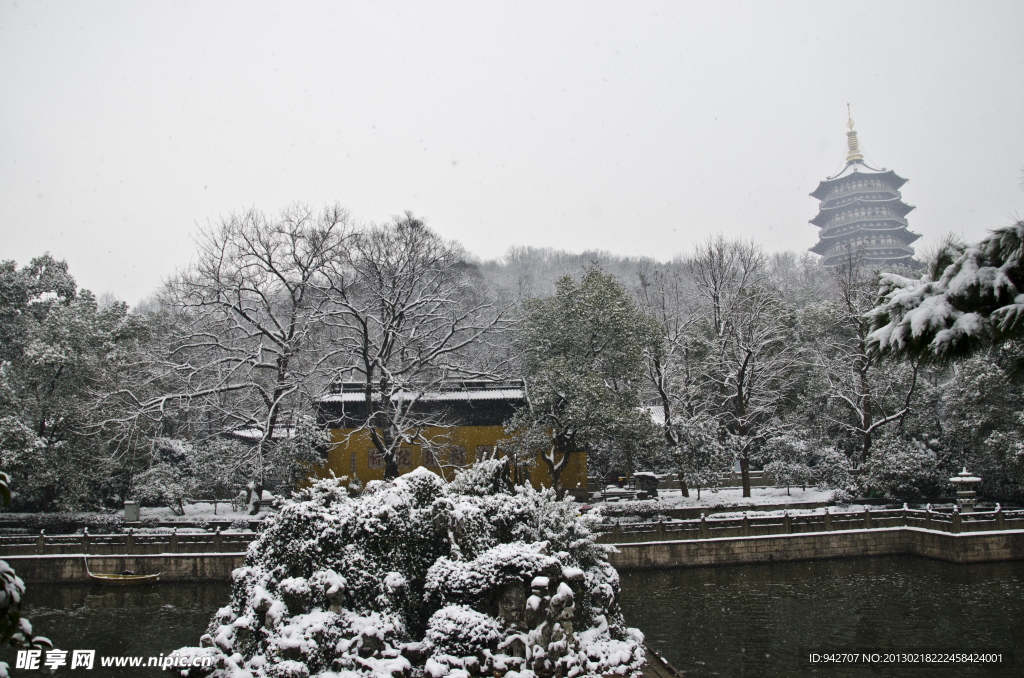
[[965, 494]]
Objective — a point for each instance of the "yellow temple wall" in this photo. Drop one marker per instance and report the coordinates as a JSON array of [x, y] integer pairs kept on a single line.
[[352, 453]]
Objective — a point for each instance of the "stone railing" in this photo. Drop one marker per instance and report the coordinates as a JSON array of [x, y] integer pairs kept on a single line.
[[796, 523], [128, 543]]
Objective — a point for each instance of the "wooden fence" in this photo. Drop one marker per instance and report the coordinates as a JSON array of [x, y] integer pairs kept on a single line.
[[795, 523]]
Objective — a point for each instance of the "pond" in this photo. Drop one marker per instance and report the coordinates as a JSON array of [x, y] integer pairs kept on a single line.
[[749, 620], [139, 621], [765, 620]]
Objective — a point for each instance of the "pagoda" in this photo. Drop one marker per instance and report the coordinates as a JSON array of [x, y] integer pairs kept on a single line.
[[862, 214]]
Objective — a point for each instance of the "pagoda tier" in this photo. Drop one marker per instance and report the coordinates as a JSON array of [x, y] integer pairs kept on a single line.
[[862, 213]]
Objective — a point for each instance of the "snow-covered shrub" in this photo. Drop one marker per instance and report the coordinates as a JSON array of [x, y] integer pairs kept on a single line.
[[842, 498], [832, 471], [788, 458], [902, 470], [418, 578], [164, 484], [460, 631]]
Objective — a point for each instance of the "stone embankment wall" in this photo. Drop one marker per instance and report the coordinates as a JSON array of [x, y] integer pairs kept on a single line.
[[970, 547], [66, 569], [958, 548]]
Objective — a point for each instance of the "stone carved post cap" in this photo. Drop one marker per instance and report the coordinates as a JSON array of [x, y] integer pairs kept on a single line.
[[964, 478]]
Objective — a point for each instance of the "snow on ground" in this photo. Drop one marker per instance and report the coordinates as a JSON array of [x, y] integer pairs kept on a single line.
[[203, 510], [734, 497]]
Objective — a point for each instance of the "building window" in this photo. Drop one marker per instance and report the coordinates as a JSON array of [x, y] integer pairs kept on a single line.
[[375, 458]]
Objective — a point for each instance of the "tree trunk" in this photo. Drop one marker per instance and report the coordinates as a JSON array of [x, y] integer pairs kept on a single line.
[[745, 474], [556, 475], [555, 471], [682, 486], [390, 466]]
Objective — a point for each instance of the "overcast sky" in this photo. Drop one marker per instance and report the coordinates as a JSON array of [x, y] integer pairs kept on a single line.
[[635, 127]]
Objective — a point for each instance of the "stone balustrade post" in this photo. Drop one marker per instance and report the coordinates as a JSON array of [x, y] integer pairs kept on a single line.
[[956, 520], [867, 518], [928, 517], [906, 512], [661, 530], [703, 526], [129, 542], [1000, 518], [617, 533], [746, 525], [787, 522], [85, 540], [174, 540], [41, 542], [218, 541], [828, 520]]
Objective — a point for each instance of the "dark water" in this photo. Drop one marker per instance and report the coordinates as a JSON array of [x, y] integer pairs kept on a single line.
[[119, 621], [763, 620], [756, 620]]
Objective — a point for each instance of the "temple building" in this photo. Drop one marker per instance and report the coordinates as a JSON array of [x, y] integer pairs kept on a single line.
[[862, 214], [468, 418]]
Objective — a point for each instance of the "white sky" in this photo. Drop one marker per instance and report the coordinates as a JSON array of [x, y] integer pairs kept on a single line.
[[636, 127]]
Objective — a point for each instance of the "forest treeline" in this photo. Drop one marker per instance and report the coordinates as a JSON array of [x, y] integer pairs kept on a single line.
[[726, 353]]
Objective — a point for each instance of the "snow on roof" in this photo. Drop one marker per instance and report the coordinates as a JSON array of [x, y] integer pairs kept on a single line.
[[436, 396], [256, 434], [855, 167]]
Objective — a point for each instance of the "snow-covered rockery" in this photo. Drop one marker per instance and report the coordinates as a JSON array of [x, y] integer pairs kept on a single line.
[[419, 578]]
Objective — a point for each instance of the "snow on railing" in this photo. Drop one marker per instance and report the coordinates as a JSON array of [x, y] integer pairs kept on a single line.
[[752, 523], [129, 543]]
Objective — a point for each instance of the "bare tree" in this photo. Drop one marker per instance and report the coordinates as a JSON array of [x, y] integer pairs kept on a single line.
[[873, 397], [248, 348], [414, 316], [674, 362], [751, 364]]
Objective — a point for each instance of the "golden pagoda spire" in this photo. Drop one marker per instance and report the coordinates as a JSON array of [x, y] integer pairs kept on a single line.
[[851, 140]]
